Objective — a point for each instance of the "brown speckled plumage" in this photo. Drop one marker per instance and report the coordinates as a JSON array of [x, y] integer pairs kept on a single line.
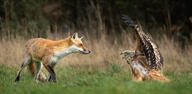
[[146, 61], [146, 45]]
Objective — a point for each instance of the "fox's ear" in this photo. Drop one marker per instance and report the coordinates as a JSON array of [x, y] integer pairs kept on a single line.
[[81, 38], [76, 35], [73, 36]]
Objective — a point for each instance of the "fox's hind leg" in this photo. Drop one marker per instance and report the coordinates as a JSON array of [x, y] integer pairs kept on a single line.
[[37, 71], [24, 64]]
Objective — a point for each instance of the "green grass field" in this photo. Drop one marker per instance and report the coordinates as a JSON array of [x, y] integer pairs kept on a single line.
[[112, 80]]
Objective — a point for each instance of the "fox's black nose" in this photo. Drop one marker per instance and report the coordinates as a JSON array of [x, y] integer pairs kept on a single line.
[[88, 51]]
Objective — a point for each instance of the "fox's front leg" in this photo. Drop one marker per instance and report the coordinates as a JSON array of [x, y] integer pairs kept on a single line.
[[51, 72], [50, 68], [49, 77]]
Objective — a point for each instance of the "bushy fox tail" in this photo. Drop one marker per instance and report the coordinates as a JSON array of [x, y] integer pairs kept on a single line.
[[32, 68], [157, 75]]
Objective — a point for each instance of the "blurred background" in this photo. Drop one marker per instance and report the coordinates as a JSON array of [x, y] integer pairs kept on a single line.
[[169, 22]]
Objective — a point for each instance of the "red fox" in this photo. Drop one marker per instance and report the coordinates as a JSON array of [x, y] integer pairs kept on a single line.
[[39, 51]]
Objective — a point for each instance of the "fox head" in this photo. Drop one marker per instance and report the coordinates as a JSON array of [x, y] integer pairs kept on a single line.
[[78, 44]]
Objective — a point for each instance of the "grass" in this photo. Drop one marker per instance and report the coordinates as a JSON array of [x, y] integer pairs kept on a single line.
[[72, 80], [103, 71]]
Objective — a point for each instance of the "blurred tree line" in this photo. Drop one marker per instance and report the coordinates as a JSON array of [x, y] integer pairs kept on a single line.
[[21, 16]]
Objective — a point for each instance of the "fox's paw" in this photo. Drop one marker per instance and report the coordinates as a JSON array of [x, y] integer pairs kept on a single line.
[[17, 79]]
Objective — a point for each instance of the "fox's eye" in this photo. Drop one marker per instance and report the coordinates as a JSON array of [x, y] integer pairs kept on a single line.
[[80, 44]]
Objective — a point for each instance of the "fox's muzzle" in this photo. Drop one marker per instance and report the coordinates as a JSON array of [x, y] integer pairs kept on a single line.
[[85, 52]]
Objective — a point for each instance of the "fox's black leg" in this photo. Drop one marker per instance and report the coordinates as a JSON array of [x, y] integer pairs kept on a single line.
[[19, 74], [49, 78], [51, 72], [26, 62]]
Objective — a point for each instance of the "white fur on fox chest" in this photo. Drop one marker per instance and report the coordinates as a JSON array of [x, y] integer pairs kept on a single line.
[[139, 67], [59, 54]]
